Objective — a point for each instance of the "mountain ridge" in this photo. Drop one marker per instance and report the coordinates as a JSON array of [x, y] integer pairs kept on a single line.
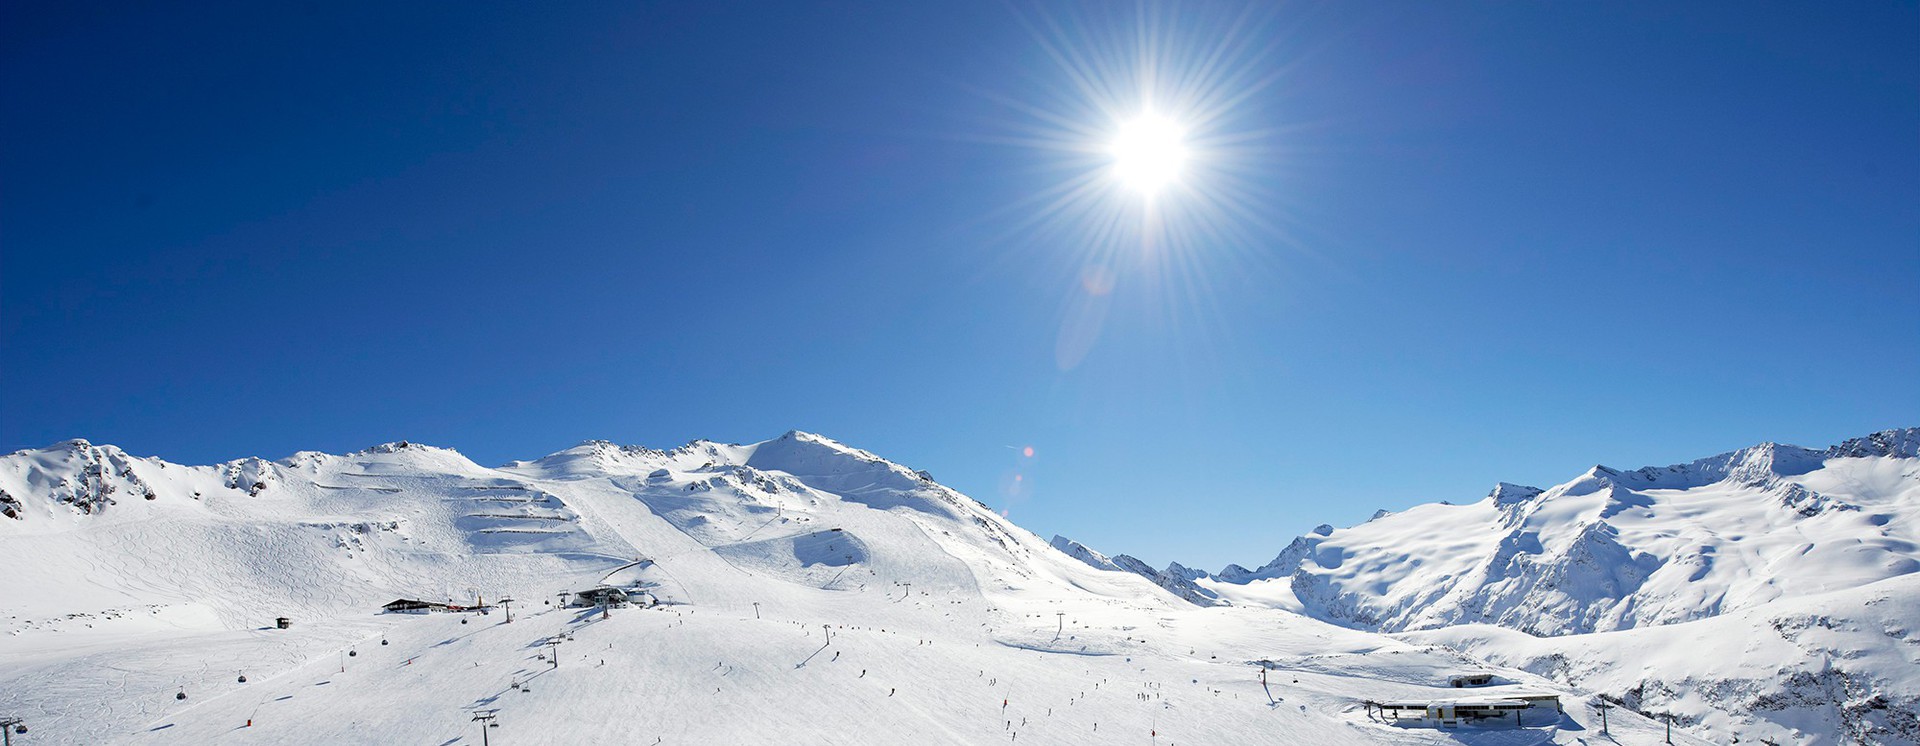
[[1754, 593], [182, 563], [796, 585]]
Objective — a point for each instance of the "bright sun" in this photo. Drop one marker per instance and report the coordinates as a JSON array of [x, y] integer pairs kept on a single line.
[[1149, 153]]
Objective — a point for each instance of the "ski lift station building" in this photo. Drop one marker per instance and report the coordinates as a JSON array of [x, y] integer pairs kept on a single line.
[[408, 605], [1515, 706], [604, 595]]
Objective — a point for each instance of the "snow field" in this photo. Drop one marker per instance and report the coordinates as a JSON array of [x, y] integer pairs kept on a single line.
[[948, 610]]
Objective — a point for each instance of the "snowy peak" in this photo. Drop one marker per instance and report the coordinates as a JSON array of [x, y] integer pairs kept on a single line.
[[1504, 493], [398, 446], [1754, 465], [798, 453], [806, 454], [1614, 549], [1899, 443], [1177, 570], [592, 458], [1084, 554], [830, 466], [75, 475], [1766, 462], [1234, 574], [1176, 579], [86, 479], [403, 456]]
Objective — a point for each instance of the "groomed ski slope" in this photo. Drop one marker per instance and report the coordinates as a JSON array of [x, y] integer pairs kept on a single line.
[[947, 624], [703, 676]]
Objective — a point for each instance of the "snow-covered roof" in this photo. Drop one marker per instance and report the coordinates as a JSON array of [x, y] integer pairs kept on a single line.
[[1494, 703]]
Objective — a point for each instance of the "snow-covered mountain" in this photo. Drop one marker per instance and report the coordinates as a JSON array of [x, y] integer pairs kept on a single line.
[[1762, 593], [1615, 549], [1176, 579], [808, 589]]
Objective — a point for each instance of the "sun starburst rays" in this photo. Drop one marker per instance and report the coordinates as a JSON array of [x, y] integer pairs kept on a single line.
[[1158, 154], [1142, 122]]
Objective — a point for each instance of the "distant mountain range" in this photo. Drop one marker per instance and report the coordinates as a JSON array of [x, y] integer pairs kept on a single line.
[[1830, 532], [1767, 595]]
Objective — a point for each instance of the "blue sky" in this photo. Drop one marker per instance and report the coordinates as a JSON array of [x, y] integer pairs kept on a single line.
[[1487, 242]]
